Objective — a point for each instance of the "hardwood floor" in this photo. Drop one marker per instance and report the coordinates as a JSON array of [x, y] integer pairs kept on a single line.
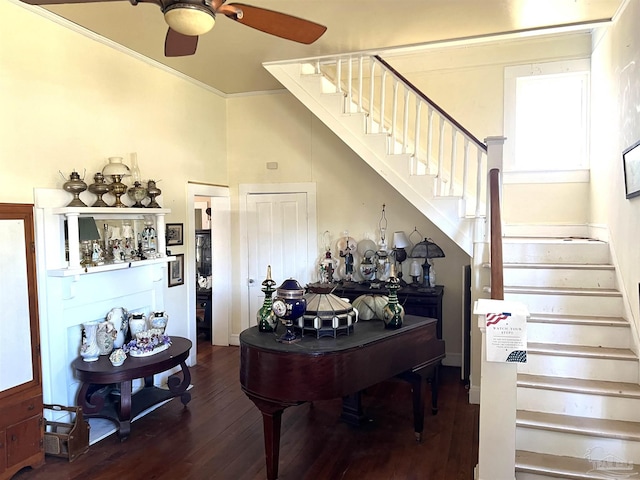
[[219, 436]]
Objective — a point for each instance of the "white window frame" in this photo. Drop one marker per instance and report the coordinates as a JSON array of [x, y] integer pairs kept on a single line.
[[514, 174]]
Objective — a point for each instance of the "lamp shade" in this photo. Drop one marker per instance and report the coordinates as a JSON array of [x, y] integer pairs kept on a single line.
[[427, 249], [115, 167], [189, 19], [400, 240], [88, 229]]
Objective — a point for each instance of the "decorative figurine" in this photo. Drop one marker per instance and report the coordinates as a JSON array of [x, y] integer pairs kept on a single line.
[[348, 263], [267, 321], [393, 312]]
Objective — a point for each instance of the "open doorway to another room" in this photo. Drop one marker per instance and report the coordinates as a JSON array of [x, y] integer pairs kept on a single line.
[[204, 273], [207, 229]]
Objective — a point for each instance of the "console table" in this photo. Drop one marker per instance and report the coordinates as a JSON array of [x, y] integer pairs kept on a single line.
[[420, 301], [278, 375], [106, 390]]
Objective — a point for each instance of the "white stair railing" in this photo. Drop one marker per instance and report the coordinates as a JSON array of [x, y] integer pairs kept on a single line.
[[438, 144]]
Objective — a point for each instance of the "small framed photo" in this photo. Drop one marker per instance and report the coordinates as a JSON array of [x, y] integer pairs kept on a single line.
[[176, 271], [175, 234], [631, 165]]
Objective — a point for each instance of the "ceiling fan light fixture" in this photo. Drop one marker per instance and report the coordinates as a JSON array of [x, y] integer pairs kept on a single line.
[[189, 19]]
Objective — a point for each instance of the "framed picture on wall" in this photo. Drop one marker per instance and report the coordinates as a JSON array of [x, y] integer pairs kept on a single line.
[[176, 271], [175, 234], [631, 165]]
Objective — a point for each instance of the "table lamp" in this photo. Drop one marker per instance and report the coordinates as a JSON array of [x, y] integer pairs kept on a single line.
[[426, 249], [88, 233], [400, 243]]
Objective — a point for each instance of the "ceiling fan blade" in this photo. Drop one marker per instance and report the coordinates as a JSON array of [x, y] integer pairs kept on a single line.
[[274, 23], [59, 2], [179, 45]]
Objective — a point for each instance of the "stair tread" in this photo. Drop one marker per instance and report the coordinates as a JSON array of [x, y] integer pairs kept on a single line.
[[579, 385], [581, 351], [568, 266], [592, 292], [577, 319], [574, 468], [560, 240], [596, 427]]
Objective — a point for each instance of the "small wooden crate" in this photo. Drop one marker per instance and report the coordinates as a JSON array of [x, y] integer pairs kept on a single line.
[[67, 440]]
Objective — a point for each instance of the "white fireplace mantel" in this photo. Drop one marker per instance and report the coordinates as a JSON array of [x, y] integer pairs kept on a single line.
[[70, 295]]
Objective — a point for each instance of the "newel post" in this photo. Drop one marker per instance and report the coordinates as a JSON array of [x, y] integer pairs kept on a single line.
[[503, 327]]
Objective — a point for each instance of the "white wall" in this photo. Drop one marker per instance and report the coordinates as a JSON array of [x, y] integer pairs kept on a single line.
[[615, 126], [68, 102], [278, 128]]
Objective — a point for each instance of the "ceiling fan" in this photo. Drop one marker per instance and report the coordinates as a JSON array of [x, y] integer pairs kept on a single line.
[[187, 19]]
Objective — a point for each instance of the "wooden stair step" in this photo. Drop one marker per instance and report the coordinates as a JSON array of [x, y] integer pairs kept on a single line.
[[588, 292], [577, 385], [573, 468], [595, 427], [578, 320], [581, 351]]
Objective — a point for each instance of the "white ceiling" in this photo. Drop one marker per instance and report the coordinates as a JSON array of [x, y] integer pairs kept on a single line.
[[229, 58]]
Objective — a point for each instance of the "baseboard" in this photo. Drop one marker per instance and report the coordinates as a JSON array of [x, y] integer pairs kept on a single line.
[[474, 395], [452, 360], [546, 231], [234, 339]]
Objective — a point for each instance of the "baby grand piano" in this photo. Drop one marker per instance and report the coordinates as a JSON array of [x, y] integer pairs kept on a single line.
[[278, 375]]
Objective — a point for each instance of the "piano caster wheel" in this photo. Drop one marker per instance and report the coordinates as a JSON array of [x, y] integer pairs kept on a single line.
[[418, 436]]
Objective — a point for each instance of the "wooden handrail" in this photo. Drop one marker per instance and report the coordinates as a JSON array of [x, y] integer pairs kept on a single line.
[[434, 105], [497, 281]]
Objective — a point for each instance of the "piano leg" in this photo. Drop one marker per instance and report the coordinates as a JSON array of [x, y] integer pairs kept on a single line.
[[271, 422], [352, 413], [429, 372]]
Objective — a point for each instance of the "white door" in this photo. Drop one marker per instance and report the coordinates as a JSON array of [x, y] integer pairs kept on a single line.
[[277, 235]]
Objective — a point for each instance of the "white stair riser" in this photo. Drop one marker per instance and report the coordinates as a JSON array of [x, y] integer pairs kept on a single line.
[[579, 446], [533, 476], [578, 404], [565, 252], [605, 306], [579, 367], [572, 334], [564, 277]]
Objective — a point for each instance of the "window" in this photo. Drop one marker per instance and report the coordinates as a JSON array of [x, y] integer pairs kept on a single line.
[[547, 120]]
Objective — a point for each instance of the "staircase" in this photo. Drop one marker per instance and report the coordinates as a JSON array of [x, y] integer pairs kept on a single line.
[[428, 157], [577, 395]]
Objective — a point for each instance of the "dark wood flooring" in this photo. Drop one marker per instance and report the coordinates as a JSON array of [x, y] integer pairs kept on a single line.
[[219, 436]]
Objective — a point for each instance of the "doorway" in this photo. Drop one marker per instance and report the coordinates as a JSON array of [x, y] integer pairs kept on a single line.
[[217, 198], [278, 222]]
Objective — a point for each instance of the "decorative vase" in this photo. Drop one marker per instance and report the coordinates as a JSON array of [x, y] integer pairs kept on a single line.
[[393, 312], [89, 350], [117, 357], [137, 324], [153, 191], [289, 305], [159, 320], [267, 321], [99, 187], [105, 336], [75, 185], [119, 317], [137, 193]]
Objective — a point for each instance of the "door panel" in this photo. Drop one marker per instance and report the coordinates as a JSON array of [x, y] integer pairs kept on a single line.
[[277, 235]]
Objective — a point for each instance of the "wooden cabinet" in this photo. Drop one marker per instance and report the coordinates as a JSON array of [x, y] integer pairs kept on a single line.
[[421, 301], [21, 422]]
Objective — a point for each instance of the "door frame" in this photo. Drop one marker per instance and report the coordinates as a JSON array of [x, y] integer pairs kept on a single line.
[[312, 229], [220, 260]]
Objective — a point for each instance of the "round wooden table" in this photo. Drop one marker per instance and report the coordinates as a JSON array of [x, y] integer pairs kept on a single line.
[[106, 390]]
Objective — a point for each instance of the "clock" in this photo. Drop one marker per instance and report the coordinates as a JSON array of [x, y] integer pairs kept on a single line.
[[279, 307]]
